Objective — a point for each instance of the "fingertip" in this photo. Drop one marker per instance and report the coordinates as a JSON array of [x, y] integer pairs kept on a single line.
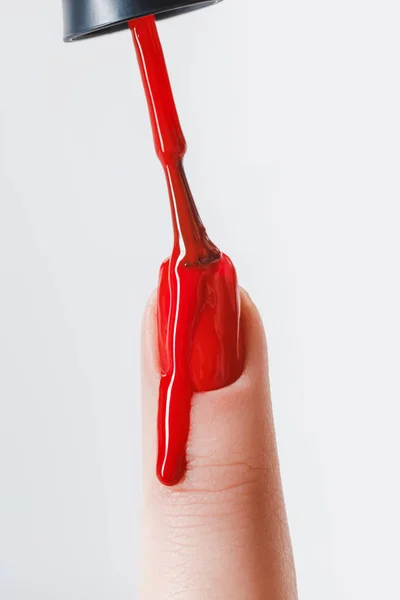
[[225, 521]]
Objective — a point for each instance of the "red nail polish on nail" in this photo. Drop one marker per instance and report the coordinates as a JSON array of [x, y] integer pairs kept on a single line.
[[200, 342], [201, 349]]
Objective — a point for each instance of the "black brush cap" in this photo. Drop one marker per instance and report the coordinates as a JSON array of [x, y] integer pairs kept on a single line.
[[85, 18]]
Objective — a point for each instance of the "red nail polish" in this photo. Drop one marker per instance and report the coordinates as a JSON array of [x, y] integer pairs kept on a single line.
[[201, 349], [200, 343], [217, 349]]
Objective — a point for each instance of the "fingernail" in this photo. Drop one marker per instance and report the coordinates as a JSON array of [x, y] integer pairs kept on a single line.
[[217, 356]]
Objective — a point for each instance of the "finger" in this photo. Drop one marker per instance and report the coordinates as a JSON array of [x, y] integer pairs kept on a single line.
[[222, 532]]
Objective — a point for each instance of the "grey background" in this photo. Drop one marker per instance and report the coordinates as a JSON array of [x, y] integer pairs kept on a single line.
[[291, 111]]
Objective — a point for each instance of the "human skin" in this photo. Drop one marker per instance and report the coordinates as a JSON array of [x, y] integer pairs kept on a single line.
[[222, 532]]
